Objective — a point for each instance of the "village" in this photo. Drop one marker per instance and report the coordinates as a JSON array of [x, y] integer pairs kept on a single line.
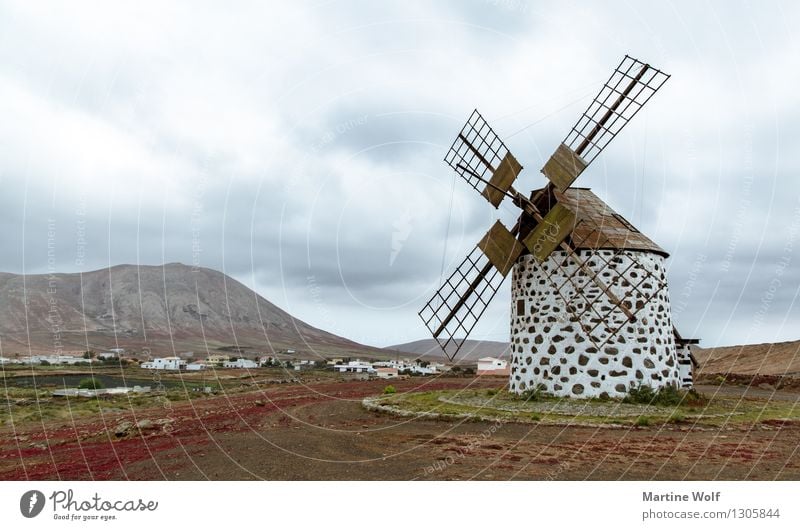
[[189, 362]]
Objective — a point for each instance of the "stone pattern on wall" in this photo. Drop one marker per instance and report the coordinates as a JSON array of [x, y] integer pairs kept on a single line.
[[551, 349], [685, 367]]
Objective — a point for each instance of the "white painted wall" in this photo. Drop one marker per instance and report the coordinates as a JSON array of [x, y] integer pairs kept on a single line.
[[550, 348]]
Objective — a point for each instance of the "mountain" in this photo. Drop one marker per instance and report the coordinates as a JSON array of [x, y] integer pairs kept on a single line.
[[765, 359], [168, 309], [472, 350]]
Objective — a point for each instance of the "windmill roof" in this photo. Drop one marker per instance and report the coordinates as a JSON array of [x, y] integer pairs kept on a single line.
[[601, 227]]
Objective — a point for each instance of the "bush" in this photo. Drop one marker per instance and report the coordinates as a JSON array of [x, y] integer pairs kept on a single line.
[[91, 383], [676, 417], [536, 417], [491, 392], [389, 390], [645, 395], [534, 394], [642, 394], [642, 421]]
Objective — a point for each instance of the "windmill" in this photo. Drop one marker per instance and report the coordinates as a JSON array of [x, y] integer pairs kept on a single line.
[[590, 309]]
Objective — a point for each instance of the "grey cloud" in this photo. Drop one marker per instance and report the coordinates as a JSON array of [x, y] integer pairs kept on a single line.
[[256, 140]]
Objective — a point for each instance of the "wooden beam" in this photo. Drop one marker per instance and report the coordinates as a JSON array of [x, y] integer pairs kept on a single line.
[[502, 179], [563, 167], [610, 112], [501, 247]]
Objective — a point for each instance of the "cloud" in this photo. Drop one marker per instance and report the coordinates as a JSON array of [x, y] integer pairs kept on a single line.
[[300, 147]]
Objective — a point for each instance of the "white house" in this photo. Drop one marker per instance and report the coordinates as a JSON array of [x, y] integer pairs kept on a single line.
[[196, 366], [355, 367], [165, 363], [492, 366], [108, 355], [386, 372], [54, 359], [240, 363]]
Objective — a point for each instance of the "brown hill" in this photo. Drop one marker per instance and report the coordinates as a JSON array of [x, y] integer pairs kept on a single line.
[[472, 350], [782, 358], [169, 308]]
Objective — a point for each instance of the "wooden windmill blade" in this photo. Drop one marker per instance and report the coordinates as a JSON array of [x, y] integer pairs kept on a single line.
[[481, 158], [629, 88], [453, 311]]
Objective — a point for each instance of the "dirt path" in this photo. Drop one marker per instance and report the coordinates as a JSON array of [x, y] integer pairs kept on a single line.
[[322, 432]]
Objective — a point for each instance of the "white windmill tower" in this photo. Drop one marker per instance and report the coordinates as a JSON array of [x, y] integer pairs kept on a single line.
[[590, 311]]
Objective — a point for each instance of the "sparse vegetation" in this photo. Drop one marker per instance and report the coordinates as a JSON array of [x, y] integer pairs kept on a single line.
[[390, 389], [667, 396], [91, 383], [676, 417], [688, 407], [534, 394]]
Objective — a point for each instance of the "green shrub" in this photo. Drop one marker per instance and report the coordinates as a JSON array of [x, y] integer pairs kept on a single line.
[[645, 395], [536, 417], [534, 394], [91, 383], [669, 396], [642, 394], [642, 421], [676, 417], [491, 392], [390, 389]]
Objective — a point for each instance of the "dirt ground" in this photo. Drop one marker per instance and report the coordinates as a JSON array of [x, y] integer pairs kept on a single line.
[[320, 431]]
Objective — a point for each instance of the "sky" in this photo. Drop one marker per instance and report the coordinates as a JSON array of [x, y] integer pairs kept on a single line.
[[299, 147]]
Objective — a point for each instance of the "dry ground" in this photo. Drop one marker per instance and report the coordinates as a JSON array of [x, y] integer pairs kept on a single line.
[[320, 431]]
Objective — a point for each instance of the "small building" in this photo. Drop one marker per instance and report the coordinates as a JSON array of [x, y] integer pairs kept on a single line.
[[355, 367], [492, 366], [196, 366], [240, 363], [386, 372], [687, 362], [108, 355], [164, 363], [217, 359]]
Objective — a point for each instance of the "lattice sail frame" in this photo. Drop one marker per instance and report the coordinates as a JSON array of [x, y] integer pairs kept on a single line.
[[468, 280], [477, 153], [600, 319], [630, 86]]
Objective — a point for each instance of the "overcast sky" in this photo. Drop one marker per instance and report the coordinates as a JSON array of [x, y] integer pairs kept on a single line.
[[299, 148]]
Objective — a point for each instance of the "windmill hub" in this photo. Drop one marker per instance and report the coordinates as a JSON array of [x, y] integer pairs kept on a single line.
[[590, 312]]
